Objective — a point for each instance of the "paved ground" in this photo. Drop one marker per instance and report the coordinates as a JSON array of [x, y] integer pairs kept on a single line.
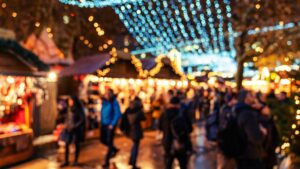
[[150, 157]]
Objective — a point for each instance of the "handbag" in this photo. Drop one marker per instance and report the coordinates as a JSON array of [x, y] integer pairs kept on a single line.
[[64, 136]]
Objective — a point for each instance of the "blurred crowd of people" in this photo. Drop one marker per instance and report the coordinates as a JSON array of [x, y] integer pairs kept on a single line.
[[240, 124]]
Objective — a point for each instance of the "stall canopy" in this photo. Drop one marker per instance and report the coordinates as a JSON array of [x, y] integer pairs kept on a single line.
[[15, 60], [113, 65], [162, 67], [86, 65]]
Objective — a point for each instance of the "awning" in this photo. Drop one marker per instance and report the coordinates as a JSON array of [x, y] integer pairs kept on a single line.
[[17, 61], [86, 65]]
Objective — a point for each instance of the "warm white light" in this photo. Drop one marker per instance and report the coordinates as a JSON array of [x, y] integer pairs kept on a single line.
[[139, 82], [131, 81], [283, 68], [173, 83], [151, 82], [117, 81], [285, 82], [179, 84], [265, 73], [52, 77], [10, 80], [185, 83]]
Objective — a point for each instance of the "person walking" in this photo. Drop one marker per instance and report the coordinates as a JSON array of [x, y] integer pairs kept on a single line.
[[74, 128], [131, 122], [248, 122], [226, 114], [271, 140], [176, 130], [110, 115], [205, 105]]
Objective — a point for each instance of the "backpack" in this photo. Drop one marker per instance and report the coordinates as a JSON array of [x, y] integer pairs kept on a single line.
[[231, 138], [179, 129]]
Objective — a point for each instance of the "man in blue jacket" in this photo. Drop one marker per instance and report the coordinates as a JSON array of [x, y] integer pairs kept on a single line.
[[110, 115]]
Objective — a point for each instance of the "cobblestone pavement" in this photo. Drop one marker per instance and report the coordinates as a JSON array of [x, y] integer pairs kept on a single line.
[[150, 155]]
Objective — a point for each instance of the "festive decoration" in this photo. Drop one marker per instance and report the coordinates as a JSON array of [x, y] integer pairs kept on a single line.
[[160, 63], [139, 66], [16, 48], [95, 3], [287, 118], [114, 58], [160, 26]]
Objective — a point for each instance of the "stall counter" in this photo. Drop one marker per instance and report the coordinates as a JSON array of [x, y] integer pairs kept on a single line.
[[15, 147]]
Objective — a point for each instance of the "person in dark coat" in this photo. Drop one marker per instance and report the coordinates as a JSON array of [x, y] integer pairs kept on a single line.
[[271, 140], [205, 105], [110, 115], [248, 121], [175, 148], [74, 127], [135, 115]]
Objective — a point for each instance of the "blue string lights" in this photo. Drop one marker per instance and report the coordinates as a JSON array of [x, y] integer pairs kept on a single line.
[[197, 28], [95, 3], [193, 27]]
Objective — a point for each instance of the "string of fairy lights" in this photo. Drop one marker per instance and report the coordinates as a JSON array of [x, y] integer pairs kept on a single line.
[[139, 67], [163, 25], [66, 19], [95, 3], [295, 127]]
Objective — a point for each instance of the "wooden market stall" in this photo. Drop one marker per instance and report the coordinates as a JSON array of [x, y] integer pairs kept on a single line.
[[19, 94], [90, 76]]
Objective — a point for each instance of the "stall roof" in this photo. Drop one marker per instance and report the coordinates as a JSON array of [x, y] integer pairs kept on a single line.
[[166, 72], [15, 60], [86, 65], [45, 47], [123, 67], [148, 63]]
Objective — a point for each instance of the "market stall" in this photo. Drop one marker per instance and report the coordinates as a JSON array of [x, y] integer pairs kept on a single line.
[[20, 92], [123, 73], [89, 76]]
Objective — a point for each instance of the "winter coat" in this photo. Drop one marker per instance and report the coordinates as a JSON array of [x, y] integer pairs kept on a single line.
[[205, 105], [248, 121], [110, 112], [165, 127], [75, 119], [74, 124], [271, 140], [135, 117]]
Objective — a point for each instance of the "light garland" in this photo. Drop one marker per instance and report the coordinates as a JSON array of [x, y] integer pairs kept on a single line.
[[139, 66], [112, 60], [95, 3], [160, 26], [159, 65]]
